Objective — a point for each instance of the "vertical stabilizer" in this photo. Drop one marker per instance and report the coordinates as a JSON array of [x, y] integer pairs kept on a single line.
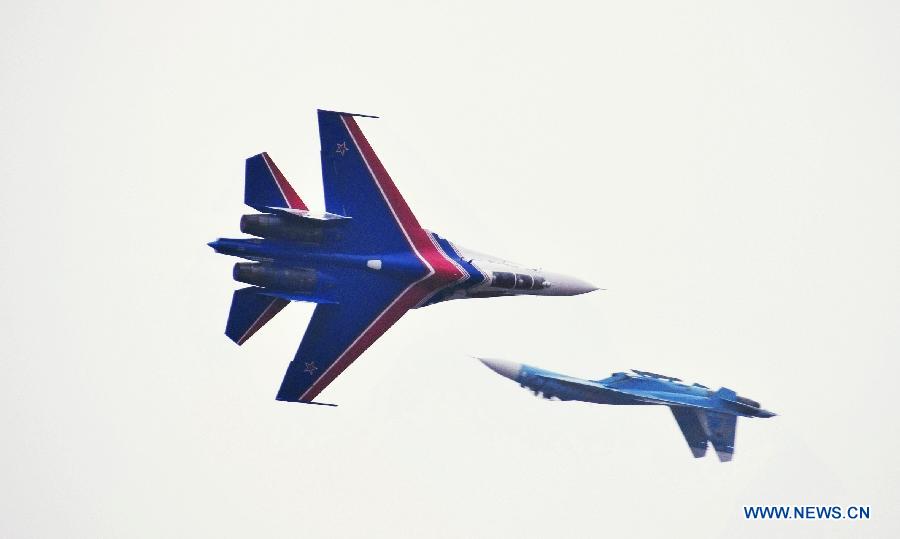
[[266, 187], [720, 428], [692, 428]]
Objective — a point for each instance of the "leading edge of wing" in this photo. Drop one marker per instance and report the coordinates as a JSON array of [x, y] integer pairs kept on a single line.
[[357, 185]]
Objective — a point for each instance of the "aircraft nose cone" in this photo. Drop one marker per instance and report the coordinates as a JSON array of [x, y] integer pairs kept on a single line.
[[566, 285], [509, 369]]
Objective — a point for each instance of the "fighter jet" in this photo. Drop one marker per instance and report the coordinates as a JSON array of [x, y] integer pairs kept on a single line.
[[365, 260], [703, 415]]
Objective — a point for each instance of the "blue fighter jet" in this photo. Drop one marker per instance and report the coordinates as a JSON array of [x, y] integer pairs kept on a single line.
[[702, 414], [365, 261]]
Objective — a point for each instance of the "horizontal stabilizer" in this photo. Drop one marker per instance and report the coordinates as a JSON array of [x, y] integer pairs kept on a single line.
[[266, 187], [250, 310]]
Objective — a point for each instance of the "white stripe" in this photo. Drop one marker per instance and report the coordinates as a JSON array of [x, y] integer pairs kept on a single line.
[[437, 246], [465, 274], [484, 277], [384, 196], [407, 289]]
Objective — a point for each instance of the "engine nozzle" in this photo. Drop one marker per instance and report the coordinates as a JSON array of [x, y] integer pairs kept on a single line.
[[280, 227], [277, 277]]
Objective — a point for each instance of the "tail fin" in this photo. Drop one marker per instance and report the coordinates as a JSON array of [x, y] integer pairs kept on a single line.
[[702, 426], [266, 187], [720, 429], [250, 311], [692, 429]]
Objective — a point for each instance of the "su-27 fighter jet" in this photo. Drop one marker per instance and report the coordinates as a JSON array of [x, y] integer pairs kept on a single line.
[[365, 261], [703, 415]]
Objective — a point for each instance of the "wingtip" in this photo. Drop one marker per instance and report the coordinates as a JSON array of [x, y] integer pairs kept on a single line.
[[319, 403], [307, 402], [346, 113], [724, 456], [698, 452]]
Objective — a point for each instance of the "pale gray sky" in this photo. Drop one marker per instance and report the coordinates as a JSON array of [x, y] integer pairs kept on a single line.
[[728, 171]]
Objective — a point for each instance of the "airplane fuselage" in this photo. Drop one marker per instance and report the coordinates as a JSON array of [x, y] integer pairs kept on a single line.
[[704, 416], [626, 389], [365, 261], [475, 276]]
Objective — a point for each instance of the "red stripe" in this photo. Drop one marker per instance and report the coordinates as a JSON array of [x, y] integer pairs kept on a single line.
[[445, 272], [269, 313], [290, 196], [382, 323], [419, 237]]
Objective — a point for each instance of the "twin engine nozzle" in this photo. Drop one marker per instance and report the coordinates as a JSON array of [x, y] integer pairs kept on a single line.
[[275, 277], [281, 227]]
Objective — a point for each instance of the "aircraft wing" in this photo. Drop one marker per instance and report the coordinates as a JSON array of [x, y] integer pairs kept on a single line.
[[357, 186], [595, 392], [609, 395], [339, 332]]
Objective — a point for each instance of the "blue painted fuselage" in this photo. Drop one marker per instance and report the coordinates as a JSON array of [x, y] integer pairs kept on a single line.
[[630, 389], [703, 415], [332, 267]]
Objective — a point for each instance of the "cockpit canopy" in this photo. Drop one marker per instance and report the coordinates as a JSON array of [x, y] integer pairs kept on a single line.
[[517, 281]]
